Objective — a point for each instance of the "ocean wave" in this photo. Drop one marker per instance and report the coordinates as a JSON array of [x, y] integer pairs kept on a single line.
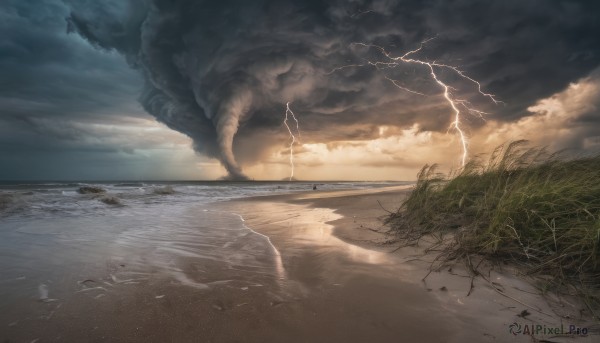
[[12, 202], [166, 190], [38, 185], [130, 184], [76, 199], [111, 200], [5, 201], [91, 190]]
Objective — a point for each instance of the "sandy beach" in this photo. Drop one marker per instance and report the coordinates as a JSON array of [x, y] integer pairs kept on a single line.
[[334, 278], [347, 243]]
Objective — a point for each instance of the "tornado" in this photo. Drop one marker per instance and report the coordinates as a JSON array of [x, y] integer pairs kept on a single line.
[[227, 124]]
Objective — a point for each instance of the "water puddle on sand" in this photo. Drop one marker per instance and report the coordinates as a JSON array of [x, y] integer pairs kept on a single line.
[[295, 228]]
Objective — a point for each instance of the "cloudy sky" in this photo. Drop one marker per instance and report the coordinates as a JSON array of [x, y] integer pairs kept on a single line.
[[192, 89]]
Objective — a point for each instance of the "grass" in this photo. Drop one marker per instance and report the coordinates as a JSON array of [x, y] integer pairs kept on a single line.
[[520, 204]]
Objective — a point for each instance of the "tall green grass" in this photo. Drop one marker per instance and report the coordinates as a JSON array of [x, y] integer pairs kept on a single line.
[[520, 204]]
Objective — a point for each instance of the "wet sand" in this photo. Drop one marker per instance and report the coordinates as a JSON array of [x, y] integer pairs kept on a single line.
[[338, 238], [333, 280]]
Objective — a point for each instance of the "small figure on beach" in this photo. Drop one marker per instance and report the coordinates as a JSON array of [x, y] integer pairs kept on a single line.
[[314, 187]]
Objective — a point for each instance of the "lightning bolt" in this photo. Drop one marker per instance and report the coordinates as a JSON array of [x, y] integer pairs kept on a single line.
[[289, 112], [358, 14], [455, 103]]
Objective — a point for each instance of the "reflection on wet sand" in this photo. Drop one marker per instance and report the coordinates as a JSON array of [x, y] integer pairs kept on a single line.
[[279, 269], [358, 294], [252, 271], [298, 224]]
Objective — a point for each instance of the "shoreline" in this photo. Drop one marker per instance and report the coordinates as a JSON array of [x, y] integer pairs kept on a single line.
[[488, 307], [338, 291], [324, 271], [359, 210]]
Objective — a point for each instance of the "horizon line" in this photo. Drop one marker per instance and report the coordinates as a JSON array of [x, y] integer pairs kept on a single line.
[[182, 180]]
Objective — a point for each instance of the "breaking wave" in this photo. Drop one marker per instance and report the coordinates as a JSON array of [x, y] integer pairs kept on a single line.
[[43, 199]]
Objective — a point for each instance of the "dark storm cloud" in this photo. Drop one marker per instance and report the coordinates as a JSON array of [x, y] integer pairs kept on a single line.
[[47, 74], [216, 71], [53, 88]]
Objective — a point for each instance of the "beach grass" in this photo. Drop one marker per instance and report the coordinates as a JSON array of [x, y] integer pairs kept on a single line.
[[519, 204]]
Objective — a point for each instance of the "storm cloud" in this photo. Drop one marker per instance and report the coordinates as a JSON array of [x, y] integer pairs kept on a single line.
[[222, 72]]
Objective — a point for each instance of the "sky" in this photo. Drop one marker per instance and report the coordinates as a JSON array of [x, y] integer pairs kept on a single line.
[[182, 89]]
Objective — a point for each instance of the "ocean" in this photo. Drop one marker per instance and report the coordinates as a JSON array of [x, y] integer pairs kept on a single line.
[[55, 241], [47, 199]]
